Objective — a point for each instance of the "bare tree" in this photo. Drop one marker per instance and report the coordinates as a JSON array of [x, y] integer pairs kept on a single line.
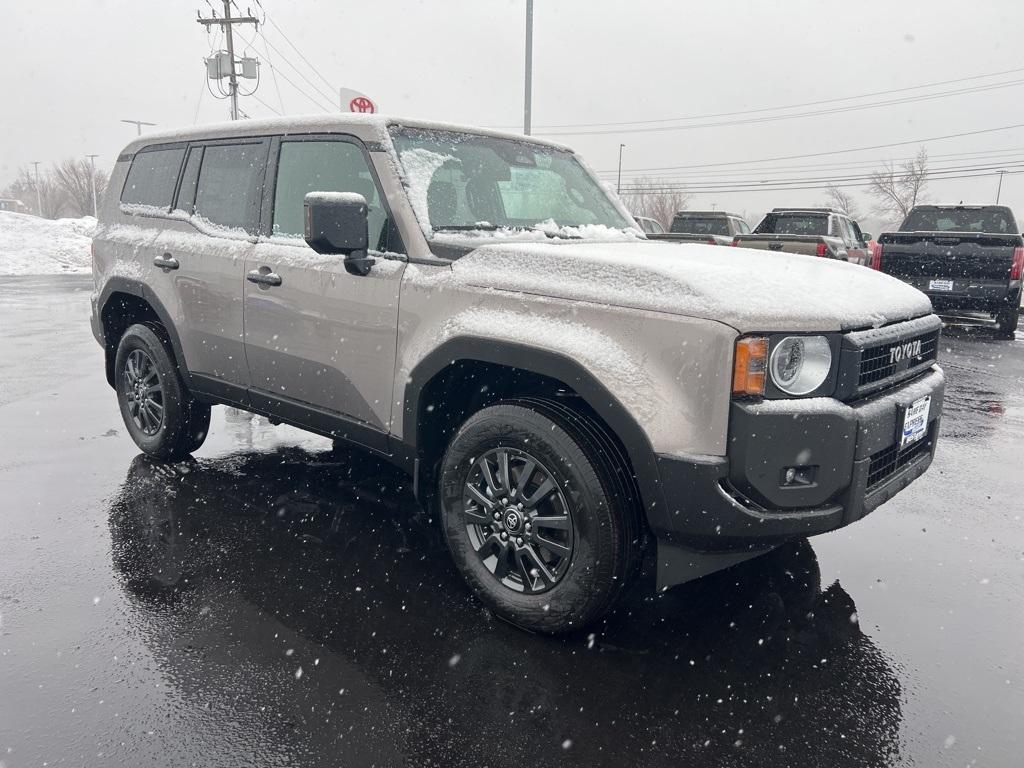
[[75, 178], [841, 200], [899, 188], [52, 199], [657, 199]]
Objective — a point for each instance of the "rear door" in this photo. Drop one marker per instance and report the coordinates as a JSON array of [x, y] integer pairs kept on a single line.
[[321, 343], [856, 249], [217, 213]]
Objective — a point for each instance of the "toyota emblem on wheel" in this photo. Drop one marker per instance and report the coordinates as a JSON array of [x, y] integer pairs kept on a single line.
[[512, 521]]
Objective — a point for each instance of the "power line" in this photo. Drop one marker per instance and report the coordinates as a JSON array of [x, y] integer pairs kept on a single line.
[[797, 186], [777, 118], [802, 166], [830, 152], [301, 56], [765, 173], [788, 106], [329, 96], [292, 83], [768, 183]]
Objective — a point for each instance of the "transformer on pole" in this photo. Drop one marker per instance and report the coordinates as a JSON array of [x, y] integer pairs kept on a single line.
[[222, 64]]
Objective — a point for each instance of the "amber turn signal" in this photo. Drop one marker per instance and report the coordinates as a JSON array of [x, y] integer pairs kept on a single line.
[[751, 362]]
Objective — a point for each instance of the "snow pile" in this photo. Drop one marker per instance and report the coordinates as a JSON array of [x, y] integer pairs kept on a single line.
[[30, 245], [747, 289]]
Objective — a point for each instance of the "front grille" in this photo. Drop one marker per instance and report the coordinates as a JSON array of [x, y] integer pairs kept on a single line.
[[877, 363], [889, 461], [868, 363]]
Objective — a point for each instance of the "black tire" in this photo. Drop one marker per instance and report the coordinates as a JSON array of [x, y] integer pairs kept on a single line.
[[591, 486], [170, 424], [1006, 323]]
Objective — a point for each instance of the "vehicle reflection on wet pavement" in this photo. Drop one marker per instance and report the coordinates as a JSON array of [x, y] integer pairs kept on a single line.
[[291, 547], [278, 602]]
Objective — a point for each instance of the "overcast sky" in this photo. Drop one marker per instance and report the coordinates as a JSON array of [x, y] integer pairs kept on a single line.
[[76, 67]]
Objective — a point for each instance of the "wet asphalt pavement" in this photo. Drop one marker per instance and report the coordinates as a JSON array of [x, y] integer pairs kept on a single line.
[[277, 603]]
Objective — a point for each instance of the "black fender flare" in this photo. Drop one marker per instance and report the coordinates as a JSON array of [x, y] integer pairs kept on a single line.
[[139, 289], [554, 365]]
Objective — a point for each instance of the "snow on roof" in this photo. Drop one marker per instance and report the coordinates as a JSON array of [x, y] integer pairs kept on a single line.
[[299, 124]]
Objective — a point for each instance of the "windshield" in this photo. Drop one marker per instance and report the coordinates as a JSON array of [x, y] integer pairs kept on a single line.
[[692, 225], [474, 183], [794, 224], [995, 220]]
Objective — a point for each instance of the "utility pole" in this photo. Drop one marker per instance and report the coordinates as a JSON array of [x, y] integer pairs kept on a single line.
[[228, 24], [92, 179], [618, 181], [39, 198], [138, 125], [528, 104], [999, 189]]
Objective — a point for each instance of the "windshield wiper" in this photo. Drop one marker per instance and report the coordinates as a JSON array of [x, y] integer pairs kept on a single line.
[[470, 227]]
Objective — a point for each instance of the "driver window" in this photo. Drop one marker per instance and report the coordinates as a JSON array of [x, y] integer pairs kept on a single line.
[[324, 166]]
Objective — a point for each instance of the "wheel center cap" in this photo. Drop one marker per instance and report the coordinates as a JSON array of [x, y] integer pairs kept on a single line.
[[513, 521]]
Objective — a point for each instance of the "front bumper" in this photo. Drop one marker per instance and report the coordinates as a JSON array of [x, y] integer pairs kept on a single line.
[[740, 503]]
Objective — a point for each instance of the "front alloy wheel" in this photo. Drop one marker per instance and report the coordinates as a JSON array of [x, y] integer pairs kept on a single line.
[[540, 522], [518, 520]]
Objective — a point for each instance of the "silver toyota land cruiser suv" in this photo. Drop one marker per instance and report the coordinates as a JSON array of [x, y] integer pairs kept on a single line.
[[571, 399]]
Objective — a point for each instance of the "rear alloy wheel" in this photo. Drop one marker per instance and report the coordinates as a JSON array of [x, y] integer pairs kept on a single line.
[[537, 514], [160, 414]]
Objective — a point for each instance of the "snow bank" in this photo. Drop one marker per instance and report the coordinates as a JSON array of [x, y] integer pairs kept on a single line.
[[747, 289], [30, 245]]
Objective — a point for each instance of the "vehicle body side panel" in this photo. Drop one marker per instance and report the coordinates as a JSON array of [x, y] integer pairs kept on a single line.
[[671, 375]]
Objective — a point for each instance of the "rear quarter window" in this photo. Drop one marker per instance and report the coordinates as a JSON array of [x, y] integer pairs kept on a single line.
[[152, 177], [230, 185]]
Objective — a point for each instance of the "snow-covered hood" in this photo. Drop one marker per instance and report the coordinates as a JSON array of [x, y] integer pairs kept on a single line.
[[747, 289]]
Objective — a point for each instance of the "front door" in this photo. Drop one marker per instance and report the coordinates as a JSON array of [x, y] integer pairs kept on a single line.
[[321, 343]]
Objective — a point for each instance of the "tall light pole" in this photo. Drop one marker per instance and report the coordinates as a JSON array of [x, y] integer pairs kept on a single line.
[[999, 189], [528, 101], [618, 181], [39, 198], [138, 125], [92, 179]]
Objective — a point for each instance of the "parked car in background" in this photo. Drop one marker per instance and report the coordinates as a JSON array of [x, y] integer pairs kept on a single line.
[[649, 226], [12, 205], [965, 257], [714, 227], [823, 232]]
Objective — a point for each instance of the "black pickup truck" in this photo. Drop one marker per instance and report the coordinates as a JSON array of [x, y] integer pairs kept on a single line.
[[965, 257]]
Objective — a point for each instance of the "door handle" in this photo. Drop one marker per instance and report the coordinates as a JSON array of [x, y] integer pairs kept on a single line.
[[263, 277], [166, 262]]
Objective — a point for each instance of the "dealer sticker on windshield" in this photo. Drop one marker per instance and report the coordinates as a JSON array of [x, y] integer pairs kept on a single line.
[[915, 421], [940, 285]]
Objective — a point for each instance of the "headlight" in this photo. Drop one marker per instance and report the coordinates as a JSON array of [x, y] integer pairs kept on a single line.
[[800, 364]]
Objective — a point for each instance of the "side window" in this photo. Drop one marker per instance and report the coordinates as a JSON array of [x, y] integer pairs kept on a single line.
[[230, 185], [656, 228], [189, 180], [324, 166], [152, 177], [850, 237]]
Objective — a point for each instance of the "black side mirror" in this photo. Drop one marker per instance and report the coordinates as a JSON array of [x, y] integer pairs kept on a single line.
[[336, 222], [865, 236]]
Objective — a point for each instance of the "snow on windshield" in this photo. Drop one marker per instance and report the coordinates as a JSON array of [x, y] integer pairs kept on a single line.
[[470, 185]]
